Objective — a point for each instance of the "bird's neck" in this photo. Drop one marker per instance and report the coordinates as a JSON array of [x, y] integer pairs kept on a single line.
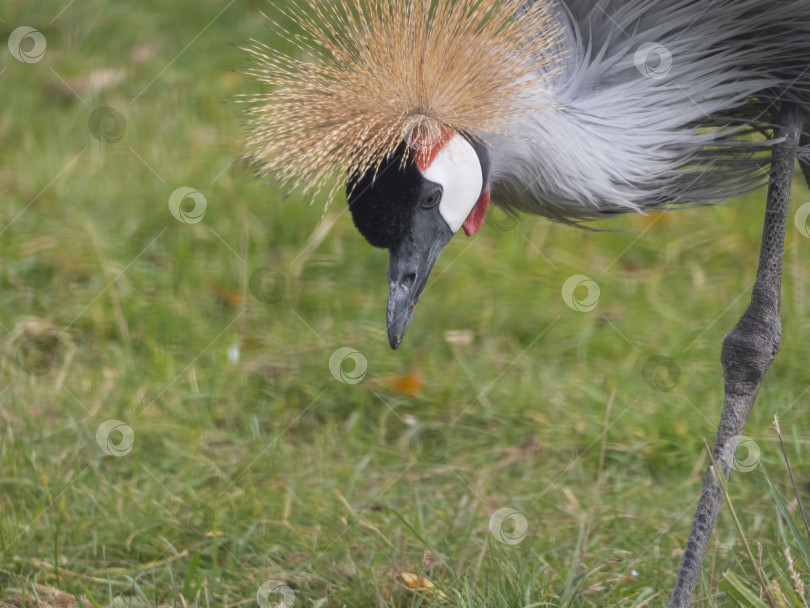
[[560, 163]]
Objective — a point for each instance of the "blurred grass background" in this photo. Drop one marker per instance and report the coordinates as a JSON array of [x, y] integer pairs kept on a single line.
[[251, 462]]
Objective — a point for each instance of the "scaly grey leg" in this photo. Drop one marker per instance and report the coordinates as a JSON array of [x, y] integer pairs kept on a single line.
[[747, 350]]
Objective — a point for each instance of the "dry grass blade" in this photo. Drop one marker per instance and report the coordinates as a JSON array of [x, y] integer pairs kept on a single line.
[[790, 473]]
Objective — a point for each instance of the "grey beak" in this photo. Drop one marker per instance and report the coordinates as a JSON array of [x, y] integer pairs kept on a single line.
[[409, 266]]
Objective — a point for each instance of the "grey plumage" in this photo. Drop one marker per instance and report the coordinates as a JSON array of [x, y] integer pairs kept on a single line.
[[620, 140]]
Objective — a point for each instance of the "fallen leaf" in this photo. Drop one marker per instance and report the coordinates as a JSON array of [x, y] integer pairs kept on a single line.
[[410, 385], [228, 296], [422, 584]]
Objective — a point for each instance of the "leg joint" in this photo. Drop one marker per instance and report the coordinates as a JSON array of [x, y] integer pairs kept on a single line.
[[749, 349]]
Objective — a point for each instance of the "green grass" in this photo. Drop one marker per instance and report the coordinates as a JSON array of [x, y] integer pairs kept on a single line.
[[269, 468]]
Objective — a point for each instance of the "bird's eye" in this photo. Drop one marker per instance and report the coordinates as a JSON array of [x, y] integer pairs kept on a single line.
[[432, 199]]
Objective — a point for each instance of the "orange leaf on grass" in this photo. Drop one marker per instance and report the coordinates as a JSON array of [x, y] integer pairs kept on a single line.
[[422, 584], [229, 296], [410, 384]]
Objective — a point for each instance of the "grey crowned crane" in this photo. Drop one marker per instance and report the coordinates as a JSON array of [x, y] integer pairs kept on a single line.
[[427, 110]]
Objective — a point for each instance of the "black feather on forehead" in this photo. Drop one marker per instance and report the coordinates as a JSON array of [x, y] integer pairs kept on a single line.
[[382, 206]]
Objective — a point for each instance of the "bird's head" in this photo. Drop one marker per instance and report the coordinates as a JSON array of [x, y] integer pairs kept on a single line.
[[413, 205], [400, 95]]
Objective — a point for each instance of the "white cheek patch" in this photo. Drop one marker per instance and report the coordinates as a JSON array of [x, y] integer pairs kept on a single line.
[[457, 169]]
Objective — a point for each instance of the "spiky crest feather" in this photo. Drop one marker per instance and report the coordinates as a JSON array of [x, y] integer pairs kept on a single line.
[[384, 71]]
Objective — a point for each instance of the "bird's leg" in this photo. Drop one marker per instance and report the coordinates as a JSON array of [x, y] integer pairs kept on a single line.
[[747, 351]]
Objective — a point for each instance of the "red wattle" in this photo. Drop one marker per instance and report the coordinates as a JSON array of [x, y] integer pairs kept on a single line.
[[476, 218]]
